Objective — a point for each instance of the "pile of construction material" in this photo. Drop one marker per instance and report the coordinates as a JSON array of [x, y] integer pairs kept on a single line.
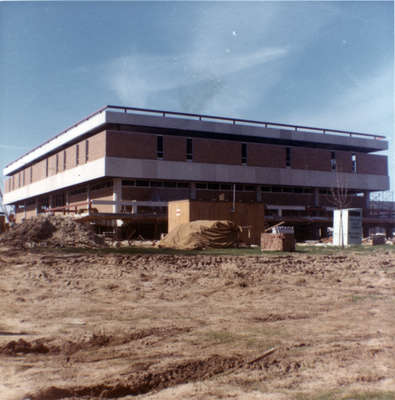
[[282, 238], [200, 234], [51, 231]]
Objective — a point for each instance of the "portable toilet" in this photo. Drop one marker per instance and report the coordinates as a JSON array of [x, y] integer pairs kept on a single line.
[[347, 226]]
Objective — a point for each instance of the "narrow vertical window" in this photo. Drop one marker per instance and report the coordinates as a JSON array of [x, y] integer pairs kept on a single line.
[[64, 160], [13, 182], [86, 150], [31, 174], [19, 179], [57, 163], [46, 167], [288, 157], [244, 153], [23, 178], [77, 154], [189, 149], [159, 147], [354, 162], [333, 161]]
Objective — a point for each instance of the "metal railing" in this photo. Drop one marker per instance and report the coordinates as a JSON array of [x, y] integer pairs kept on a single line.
[[207, 118]]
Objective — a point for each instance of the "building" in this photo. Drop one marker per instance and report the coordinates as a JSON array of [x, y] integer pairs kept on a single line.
[[129, 162]]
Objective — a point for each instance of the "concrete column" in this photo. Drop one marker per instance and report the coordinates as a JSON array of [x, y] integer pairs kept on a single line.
[[192, 191], [117, 195], [50, 201], [24, 209], [280, 212], [316, 197], [258, 194], [366, 202], [36, 205]]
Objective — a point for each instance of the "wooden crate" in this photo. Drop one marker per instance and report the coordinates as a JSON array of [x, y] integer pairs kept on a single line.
[[279, 242]]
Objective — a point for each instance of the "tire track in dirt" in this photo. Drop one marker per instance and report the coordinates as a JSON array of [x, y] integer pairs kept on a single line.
[[185, 372]]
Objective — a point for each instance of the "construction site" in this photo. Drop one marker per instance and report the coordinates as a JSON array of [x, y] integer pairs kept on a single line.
[[159, 255]]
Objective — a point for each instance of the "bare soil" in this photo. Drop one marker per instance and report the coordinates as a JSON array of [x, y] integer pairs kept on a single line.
[[97, 326]]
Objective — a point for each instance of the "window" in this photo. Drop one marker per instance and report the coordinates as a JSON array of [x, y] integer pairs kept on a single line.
[[244, 153], [64, 160], [213, 186], [46, 167], [57, 163], [189, 149], [77, 154], [86, 150], [354, 162], [19, 180], [170, 184], [226, 186], [201, 186], [159, 147], [183, 185], [333, 161], [23, 178], [31, 174], [155, 183], [128, 183], [249, 188], [142, 183], [287, 157]]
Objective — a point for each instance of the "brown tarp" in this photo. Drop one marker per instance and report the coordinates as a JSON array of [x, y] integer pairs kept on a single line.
[[202, 234]]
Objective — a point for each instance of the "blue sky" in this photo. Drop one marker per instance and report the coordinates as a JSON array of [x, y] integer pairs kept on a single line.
[[326, 64]]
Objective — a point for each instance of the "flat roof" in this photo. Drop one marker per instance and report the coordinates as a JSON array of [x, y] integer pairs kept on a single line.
[[203, 123]]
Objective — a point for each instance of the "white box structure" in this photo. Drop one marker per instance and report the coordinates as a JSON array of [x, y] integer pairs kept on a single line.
[[347, 227]]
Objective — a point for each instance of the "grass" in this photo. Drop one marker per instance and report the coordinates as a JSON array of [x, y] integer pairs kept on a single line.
[[255, 251]]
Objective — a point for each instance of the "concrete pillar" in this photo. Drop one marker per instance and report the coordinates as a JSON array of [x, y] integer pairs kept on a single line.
[[280, 212], [24, 209], [192, 191], [366, 203], [316, 197], [36, 205], [258, 194], [117, 195]]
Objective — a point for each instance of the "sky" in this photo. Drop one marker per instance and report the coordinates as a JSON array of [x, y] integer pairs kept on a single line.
[[325, 64]]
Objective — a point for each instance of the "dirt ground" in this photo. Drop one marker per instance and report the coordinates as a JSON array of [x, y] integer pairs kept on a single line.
[[297, 326]]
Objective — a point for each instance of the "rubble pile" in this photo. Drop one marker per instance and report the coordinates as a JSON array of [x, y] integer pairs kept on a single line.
[[51, 231]]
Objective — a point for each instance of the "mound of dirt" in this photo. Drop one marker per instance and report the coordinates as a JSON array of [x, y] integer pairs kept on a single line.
[[53, 231], [202, 234]]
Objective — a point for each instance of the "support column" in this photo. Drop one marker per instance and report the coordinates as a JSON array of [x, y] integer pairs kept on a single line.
[[316, 197], [192, 191], [36, 205], [117, 195], [88, 197], [366, 204], [24, 210], [258, 194]]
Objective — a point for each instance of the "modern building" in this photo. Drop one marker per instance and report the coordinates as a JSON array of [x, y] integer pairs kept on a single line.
[[129, 162]]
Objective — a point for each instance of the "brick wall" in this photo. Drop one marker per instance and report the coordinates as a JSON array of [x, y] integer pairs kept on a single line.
[[216, 151], [313, 159], [265, 155], [130, 145], [371, 164], [174, 148]]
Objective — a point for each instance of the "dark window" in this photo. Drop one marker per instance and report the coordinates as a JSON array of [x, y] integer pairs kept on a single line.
[[333, 161], [156, 183], [213, 186], [189, 149], [244, 153], [201, 186], [249, 188], [64, 160], [288, 157], [57, 163], [46, 167], [266, 188], [128, 183], [276, 189], [19, 180], [354, 162], [23, 178], [86, 150], [31, 174], [159, 146], [298, 190], [170, 184], [183, 185], [77, 154], [226, 186], [239, 187], [142, 183]]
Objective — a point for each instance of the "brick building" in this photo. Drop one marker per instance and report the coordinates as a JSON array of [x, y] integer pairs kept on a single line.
[[130, 162]]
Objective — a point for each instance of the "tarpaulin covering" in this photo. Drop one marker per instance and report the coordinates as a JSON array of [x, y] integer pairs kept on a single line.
[[202, 234]]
